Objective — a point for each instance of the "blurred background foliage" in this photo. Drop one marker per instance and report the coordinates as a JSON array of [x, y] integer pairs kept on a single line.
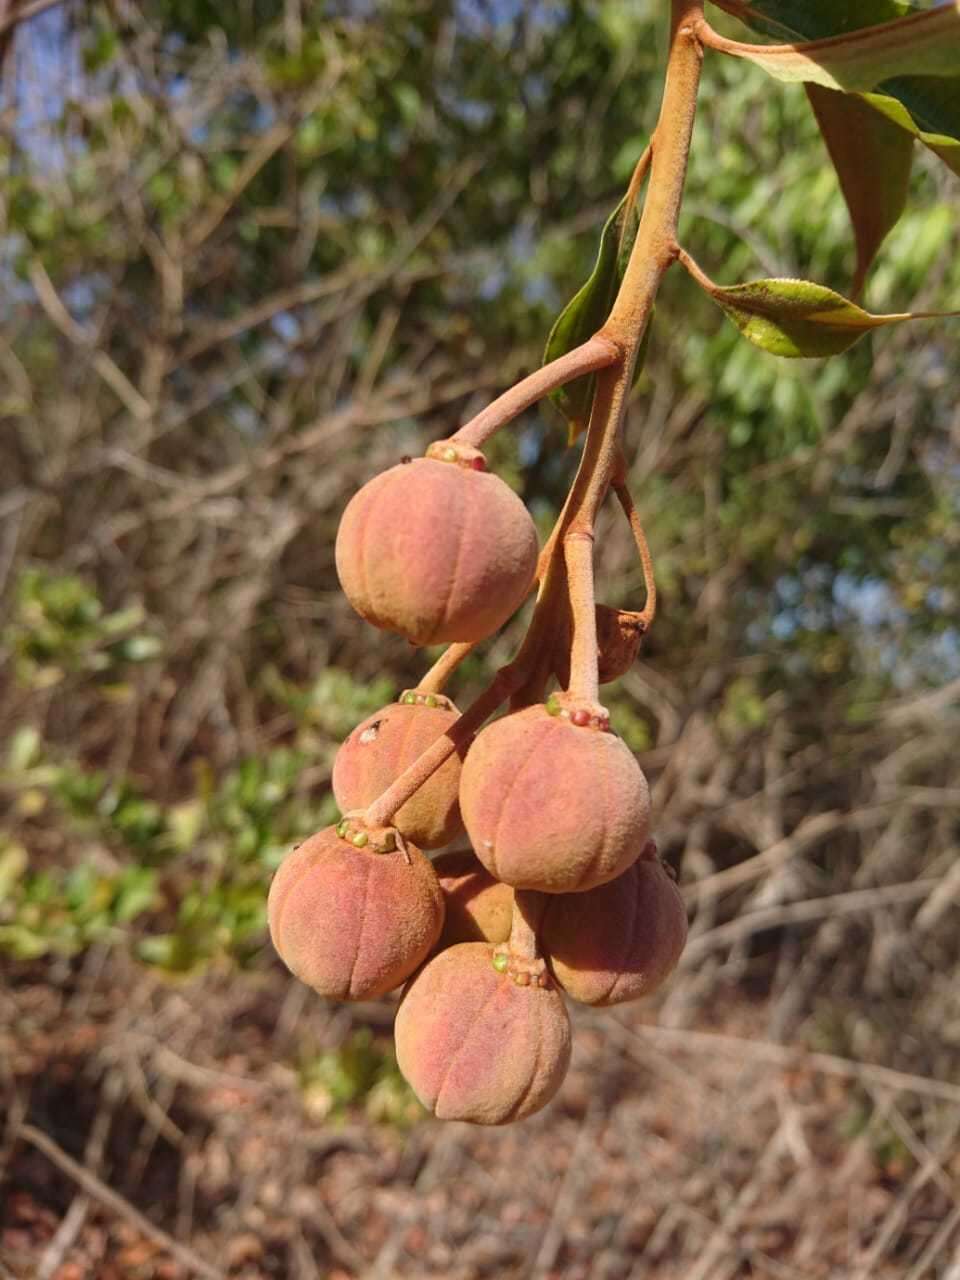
[[254, 253]]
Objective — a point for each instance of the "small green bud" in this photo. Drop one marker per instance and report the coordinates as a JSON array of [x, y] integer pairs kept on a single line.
[[409, 699], [449, 455], [553, 706], [342, 828], [500, 962], [359, 839], [431, 701]]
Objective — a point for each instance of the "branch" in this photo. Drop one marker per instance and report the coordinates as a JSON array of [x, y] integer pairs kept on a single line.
[[653, 252], [24, 13], [109, 1198], [806, 912], [654, 249], [63, 321], [684, 1041]]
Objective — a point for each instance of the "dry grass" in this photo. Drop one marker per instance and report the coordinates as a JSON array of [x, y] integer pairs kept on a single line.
[[160, 1130]]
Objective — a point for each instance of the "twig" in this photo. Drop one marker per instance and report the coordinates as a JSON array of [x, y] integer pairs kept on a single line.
[[723, 1236], [64, 1236], [268, 144], [804, 912], [192, 1073], [25, 12], [341, 1249], [108, 369], [109, 1198], [935, 1245], [573, 1179], [893, 1224], [788, 1058], [809, 832]]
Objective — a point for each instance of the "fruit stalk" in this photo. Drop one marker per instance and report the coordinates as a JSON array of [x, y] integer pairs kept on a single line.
[[654, 251], [647, 614], [441, 671], [584, 661], [457, 737], [596, 353], [528, 909]]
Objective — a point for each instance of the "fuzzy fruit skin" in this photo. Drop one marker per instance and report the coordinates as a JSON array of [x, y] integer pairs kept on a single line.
[[436, 551], [618, 942], [549, 805], [353, 924], [379, 750], [478, 908], [473, 1045]]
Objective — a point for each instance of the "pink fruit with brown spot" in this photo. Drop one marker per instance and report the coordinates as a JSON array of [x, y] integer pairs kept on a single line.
[[620, 941], [552, 805], [350, 923], [476, 1045], [436, 551], [478, 908], [380, 749]]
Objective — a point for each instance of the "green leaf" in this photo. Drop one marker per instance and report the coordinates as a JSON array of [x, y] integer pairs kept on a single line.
[[795, 318], [858, 61], [819, 19], [586, 311], [905, 63], [140, 648], [14, 861], [24, 748], [136, 892], [934, 116], [872, 158]]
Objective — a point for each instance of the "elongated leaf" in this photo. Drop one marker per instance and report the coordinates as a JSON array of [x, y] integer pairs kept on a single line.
[[925, 44], [872, 158], [795, 318], [907, 68], [586, 311], [818, 19]]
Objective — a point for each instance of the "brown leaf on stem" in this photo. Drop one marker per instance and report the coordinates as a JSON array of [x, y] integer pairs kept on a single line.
[[872, 157]]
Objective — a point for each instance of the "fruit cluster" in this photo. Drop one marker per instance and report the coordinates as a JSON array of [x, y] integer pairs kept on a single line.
[[561, 891]]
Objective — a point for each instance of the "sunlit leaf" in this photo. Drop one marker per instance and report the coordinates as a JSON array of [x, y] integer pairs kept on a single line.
[[872, 158], [813, 19], [934, 117], [23, 748], [905, 63], [795, 318], [919, 44]]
